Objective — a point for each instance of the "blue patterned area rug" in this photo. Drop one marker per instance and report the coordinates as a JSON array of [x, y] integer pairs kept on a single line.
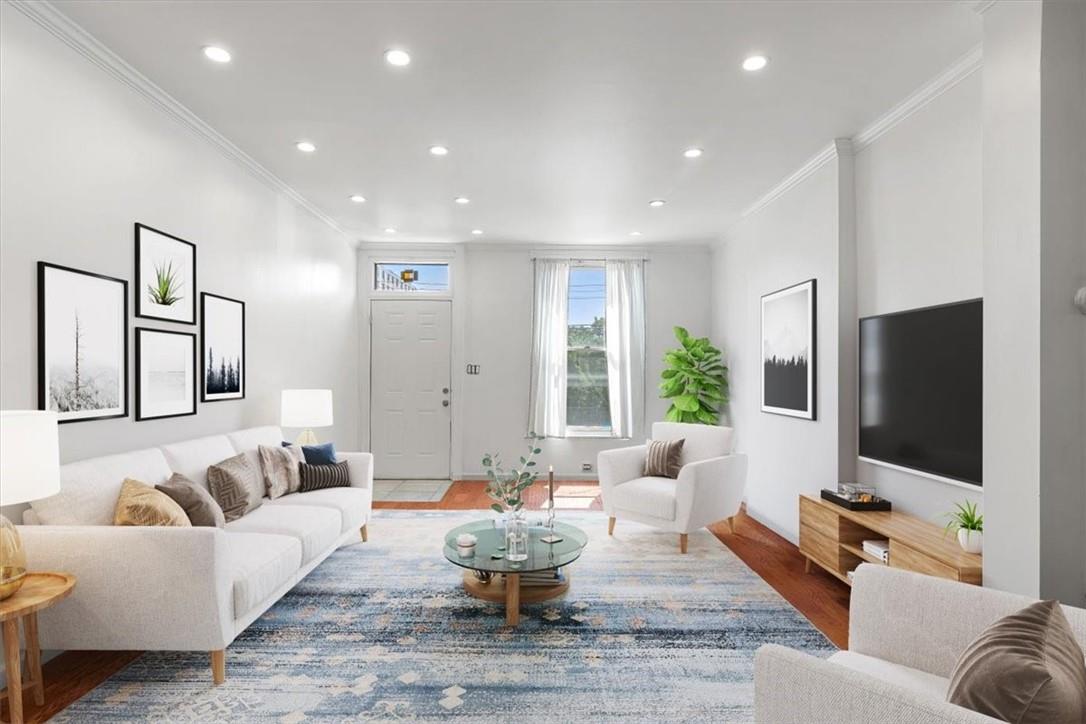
[[382, 631]]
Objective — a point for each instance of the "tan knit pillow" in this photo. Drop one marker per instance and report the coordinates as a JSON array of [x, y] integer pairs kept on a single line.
[[1025, 668], [235, 486], [662, 458], [141, 504]]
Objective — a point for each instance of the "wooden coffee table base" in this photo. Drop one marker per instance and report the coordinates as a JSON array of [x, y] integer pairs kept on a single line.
[[509, 592]]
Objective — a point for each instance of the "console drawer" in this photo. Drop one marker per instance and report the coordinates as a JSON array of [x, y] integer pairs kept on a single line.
[[814, 544], [819, 519], [902, 556]]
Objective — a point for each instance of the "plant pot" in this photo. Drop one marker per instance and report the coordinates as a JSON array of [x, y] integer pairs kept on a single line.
[[971, 541]]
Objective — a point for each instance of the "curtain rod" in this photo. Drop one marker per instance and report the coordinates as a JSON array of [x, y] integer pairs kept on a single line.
[[610, 258]]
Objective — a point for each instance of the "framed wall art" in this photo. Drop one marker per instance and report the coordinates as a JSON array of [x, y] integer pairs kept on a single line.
[[788, 351], [166, 374], [165, 276], [222, 332]]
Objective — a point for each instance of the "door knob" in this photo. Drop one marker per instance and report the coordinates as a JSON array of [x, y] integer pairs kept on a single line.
[[444, 390], [444, 403]]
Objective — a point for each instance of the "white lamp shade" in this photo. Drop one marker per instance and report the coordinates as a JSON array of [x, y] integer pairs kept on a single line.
[[29, 456], [306, 408]]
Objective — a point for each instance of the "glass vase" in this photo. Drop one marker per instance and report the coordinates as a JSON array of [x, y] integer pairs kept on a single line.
[[516, 537]]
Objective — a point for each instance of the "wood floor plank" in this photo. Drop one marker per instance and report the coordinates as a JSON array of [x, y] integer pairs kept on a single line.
[[817, 595]]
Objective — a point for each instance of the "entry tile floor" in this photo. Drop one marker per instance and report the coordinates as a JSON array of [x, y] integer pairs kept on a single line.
[[410, 491]]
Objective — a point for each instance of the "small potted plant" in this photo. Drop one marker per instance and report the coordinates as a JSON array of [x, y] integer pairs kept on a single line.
[[506, 488], [969, 525]]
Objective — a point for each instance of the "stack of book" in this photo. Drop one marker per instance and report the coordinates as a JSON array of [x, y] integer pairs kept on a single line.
[[551, 577], [878, 548]]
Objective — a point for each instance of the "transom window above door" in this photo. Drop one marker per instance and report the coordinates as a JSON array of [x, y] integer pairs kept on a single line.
[[411, 277]]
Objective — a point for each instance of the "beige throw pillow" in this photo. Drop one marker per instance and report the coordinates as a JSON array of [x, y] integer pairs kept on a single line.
[[662, 458], [1025, 668], [140, 504], [197, 503], [235, 486], [280, 466]]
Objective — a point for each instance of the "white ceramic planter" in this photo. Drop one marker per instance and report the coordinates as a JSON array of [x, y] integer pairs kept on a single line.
[[971, 541]]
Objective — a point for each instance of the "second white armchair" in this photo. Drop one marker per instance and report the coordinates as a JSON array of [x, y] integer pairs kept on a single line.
[[709, 487]]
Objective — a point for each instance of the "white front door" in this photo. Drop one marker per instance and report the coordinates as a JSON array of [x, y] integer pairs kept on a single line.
[[410, 404]]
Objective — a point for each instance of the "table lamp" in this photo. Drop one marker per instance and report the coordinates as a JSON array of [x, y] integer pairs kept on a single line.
[[29, 470], [306, 409]]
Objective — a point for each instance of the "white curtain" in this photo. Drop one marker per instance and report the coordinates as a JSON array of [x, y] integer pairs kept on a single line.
[[547, 402], [626, 344]]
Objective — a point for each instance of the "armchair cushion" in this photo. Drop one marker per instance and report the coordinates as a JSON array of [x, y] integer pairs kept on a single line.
[[651, 496], [702, 441], [912, 679], [662, 458]]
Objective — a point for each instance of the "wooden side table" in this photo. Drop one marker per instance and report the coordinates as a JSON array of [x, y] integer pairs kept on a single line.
[[39, 591]]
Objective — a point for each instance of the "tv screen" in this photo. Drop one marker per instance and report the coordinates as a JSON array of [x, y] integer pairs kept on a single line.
[[921, 390]]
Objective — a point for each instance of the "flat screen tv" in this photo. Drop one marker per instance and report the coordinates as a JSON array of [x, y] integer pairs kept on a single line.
[[921, 390]]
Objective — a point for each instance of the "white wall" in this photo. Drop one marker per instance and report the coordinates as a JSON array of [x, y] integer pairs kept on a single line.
[[84, 157], [793, 239], [492, 321], [918, 237]]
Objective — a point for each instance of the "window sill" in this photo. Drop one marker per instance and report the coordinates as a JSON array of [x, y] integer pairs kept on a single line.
[[589, 432]]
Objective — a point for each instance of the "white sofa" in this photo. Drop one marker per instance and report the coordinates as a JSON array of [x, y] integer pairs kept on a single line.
[[709, 487], [181, 589], [905, 634]]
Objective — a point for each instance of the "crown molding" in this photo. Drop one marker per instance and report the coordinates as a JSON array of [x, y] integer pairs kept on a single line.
[[75, 37], [957, 72]]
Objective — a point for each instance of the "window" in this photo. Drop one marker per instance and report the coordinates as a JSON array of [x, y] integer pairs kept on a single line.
[[588, 406], [411, 277]]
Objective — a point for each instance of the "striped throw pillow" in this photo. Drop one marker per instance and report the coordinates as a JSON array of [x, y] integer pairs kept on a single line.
[[318, 477], [662, 459]]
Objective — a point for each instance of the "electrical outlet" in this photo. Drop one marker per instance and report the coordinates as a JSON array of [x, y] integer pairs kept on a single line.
[[473, 369], [586, 467]]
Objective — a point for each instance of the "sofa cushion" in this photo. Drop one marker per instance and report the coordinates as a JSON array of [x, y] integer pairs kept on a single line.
[[236, 486], [352, 503], [280, 466], [197, 503], [907, 678], [192, 458], [89, 488], [317, 528], [248, 440], [260, 564], [650, 496], [142, 504]]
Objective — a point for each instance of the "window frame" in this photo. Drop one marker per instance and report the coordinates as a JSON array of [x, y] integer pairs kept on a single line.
[[597, 431], [406, 260]]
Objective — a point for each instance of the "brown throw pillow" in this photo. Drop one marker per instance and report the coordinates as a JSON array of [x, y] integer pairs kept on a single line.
[[140, 504], [199, 506], [317, 477], [662, 459], [280, 466], [235, 486], [1025, 668]]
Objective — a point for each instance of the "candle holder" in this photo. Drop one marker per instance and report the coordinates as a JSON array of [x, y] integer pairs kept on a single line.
[[551, 537]]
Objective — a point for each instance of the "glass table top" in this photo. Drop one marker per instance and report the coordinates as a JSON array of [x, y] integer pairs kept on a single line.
[[491, 543]]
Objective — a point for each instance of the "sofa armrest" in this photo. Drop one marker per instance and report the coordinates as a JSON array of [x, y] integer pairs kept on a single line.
[[791, 687], [154, 588], [360, 465], [619, 466], [709, 490]]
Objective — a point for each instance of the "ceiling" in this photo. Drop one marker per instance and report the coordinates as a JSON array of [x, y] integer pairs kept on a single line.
[[563, 119]]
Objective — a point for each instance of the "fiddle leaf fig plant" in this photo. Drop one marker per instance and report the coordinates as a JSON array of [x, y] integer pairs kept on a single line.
[[696, 380], [506, 487]]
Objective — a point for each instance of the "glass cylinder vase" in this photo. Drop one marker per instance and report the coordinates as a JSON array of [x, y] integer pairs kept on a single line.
[[516, 537]]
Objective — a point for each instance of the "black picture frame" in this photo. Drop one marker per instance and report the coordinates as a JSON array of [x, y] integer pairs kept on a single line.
[[142, 305], [140, 332], [207, 348], [781, 394], [65, 417]]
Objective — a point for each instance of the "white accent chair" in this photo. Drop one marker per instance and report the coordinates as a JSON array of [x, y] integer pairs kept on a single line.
[[709, 487]]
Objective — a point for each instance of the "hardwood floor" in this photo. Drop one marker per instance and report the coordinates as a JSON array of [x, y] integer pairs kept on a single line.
[[817, 595]]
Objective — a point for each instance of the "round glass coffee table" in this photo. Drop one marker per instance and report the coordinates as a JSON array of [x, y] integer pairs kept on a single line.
[[491, 577]]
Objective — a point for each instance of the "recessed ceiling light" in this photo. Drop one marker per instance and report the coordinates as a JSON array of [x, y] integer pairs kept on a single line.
[[217, 54], [462, 200], [477, 232], [439, 150], [397, 57], [656, 203], [755, 62], [358, 199], [635, 233], [305, 146], [692, 152], [390, 230]]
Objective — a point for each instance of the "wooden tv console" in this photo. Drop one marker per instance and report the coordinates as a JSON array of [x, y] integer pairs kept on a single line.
[[832, 537]]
